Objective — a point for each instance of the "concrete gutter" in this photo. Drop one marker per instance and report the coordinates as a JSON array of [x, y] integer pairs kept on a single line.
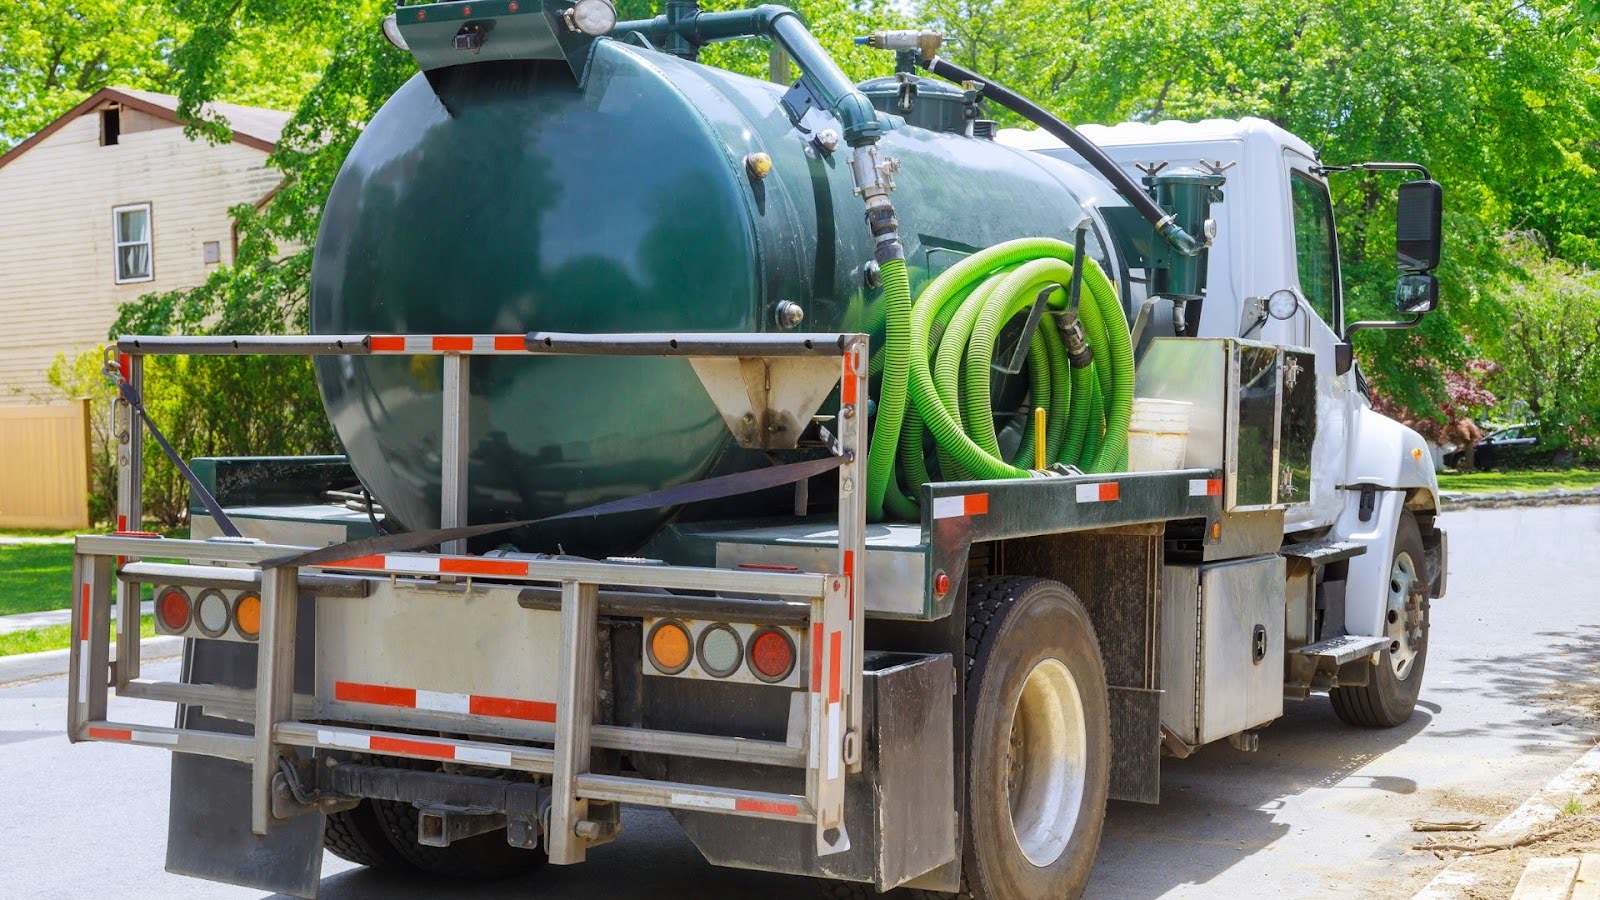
[[1503, 499], [52, 663], [1580, 781]]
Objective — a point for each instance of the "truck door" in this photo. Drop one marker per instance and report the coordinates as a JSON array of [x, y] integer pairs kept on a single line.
[[1315, 272]]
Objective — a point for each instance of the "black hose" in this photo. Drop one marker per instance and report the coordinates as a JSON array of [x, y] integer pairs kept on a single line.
[[1164, 224]]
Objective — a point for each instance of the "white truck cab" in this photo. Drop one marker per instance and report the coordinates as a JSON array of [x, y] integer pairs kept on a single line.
[[1275, 232]]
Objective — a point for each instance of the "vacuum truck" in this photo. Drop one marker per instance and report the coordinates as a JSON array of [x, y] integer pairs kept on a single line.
[[877, 490]]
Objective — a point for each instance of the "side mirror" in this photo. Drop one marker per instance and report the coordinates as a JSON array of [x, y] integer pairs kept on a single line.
[[1419, 226], [1415, 295]]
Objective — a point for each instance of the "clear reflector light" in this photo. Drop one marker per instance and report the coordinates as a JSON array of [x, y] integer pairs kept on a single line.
[[721, 651], [211, 613]]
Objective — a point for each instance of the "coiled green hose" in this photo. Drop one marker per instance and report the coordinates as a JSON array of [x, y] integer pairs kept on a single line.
[[939, 351]]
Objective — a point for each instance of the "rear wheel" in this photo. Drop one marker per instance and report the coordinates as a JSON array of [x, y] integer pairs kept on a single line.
[[1390, 696], [356, 835], [1038, 742]]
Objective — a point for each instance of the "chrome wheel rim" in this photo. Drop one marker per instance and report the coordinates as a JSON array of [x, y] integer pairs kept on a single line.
[[1046, 762], [1403, 618]]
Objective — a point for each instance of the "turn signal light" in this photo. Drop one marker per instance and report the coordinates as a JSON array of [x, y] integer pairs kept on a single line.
[[771, 654], [668, 647], [247, 614], [172, 606]]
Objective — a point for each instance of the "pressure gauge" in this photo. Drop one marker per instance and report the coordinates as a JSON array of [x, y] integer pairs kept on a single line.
[[592, 17], [1283, 304]]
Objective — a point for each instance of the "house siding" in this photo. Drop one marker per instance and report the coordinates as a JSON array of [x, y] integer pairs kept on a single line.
[[58, 290]]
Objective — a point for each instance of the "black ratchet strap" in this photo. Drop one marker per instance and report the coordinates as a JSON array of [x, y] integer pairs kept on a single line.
[[132, 398], [694, 492]]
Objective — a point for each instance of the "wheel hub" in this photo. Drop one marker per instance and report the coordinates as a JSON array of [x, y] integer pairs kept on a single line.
[[1403, 620], [1046, 762]]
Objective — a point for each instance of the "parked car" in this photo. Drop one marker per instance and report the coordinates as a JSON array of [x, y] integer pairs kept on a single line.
[[1500, 447]]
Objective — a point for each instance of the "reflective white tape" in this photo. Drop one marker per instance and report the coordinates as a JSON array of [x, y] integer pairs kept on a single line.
[[702, 801], [83, 671], [155, 737], [1205, 487], [438, 701], [481, 755], [412, 564], [343, 739], [948, 507], [835, 741]]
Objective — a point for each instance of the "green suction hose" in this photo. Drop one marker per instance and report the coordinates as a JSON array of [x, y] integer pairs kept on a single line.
[[939, 350]]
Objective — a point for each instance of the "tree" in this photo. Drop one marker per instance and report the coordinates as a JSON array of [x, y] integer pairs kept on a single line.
[[1550, 348], [53, 55]]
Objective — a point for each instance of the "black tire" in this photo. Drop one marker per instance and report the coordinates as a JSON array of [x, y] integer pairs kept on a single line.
[[1015, 626], [484, 857], [355, 835], [1388, 699]]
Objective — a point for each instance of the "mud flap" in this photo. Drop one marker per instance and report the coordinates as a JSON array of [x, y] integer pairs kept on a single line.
[[208, 824], [208, 832]]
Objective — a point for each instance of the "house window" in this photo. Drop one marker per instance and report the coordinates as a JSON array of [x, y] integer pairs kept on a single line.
[[211, 252], [110, 126], [133, 248]]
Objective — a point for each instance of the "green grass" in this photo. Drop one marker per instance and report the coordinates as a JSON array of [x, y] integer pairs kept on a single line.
[[54, 637], [1541, 480], [34, 577]]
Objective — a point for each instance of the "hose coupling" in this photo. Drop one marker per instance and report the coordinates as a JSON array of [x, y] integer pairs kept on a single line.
[[872, 172], [926, 43], [1079, 353]]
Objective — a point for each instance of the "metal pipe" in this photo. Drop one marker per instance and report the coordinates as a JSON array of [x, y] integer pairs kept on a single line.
[[857, 119], [1163, 222], [657, 604], [691, 344], [233, 578], [243, 345]]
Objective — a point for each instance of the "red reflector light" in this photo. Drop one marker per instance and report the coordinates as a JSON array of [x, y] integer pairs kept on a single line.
[[941, 584], [173, 608], [771, 654]]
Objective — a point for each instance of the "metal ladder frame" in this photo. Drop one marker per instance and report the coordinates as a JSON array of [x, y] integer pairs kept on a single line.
[[834, 732]]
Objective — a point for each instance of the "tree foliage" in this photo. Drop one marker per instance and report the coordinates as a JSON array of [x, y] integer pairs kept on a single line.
[[1500, 98]]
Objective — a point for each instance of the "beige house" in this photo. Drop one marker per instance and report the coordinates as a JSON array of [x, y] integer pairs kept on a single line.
[[109, 202]]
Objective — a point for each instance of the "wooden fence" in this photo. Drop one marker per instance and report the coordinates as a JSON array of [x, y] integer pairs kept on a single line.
[[44, 466]]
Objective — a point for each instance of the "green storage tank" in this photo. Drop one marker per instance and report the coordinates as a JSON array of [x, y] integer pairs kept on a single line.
[[503, 197]]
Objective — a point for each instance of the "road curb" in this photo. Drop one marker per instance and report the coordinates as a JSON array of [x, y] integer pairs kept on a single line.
[[1580, 780], [51, 663], [1507, 499]]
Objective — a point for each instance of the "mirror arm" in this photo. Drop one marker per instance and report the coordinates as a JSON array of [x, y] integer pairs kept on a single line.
[[1354, 327], [1419, 168]]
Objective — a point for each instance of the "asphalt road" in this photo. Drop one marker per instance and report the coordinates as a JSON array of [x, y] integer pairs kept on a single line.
[[1320, 811]]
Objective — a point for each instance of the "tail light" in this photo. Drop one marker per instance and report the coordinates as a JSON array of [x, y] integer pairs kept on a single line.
[[772, 655], [668, 647], [724, 651], [172, 608], [720, 650]]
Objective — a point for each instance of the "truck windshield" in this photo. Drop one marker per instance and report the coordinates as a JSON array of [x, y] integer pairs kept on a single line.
[[1314, 248]]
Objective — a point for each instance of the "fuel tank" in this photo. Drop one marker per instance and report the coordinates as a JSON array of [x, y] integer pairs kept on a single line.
[[504, 197]]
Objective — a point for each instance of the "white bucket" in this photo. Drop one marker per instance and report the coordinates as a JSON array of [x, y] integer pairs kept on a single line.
[[1158, 434]]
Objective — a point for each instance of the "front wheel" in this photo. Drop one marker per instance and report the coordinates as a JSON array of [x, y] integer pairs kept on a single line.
[[1390, 696], [1038, 742]]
